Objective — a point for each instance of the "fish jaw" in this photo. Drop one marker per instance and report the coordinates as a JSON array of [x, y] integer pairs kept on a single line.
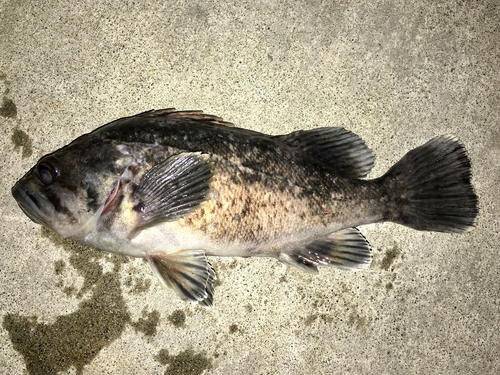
[[42, 211], [39, 210]]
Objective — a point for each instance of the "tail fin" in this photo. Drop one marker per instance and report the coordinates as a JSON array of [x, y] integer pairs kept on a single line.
[[430, 188]]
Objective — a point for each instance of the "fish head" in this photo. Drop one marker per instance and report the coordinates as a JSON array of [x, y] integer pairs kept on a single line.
[[68, 191]]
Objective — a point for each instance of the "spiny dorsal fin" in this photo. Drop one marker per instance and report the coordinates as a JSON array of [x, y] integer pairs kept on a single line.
[[187, 272], [335, 147], [197, 116], [346, 249], [172, 189]]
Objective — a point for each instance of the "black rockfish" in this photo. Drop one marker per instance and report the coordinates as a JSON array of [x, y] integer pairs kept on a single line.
[[174, 187]]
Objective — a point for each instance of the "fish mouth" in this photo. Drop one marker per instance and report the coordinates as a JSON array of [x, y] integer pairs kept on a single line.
[[31, 205]]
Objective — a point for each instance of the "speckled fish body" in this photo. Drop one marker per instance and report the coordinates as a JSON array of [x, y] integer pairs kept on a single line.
[[173, 187]]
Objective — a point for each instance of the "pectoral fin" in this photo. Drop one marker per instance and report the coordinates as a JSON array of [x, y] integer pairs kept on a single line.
[[172, 189], [187, 272], [346, 249]]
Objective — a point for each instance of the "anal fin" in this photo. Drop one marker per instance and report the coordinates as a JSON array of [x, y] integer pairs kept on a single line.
[[346, 249], [187, 272]]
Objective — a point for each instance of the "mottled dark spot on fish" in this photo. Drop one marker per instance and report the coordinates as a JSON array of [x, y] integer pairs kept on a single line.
[[139, 207], [66, 183], [8, 108], [22, 140], [135, 169], [92, 196], [58, 206], [177, 318], [186, 362]]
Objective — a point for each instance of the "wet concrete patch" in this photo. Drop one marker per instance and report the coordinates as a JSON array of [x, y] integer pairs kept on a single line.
[[74, 340], [187, 362], [177, 318], [8, 108], [390, 256], [21, 139], [148, 323]]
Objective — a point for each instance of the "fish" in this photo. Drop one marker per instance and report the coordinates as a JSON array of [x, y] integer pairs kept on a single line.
[[175, 187]]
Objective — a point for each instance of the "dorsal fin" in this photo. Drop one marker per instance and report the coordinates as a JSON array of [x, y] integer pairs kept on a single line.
[[336, 147], [198, 116]]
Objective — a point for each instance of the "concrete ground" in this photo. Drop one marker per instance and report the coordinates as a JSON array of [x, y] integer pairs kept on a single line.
[[395, 73]]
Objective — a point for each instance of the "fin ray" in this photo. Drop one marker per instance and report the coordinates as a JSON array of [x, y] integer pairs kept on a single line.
[[437, 194], [172, 189], [336, 147], [187, 272], [194, 115], [346, 249]]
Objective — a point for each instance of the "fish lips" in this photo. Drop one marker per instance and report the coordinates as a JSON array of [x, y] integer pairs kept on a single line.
[[33, 204]]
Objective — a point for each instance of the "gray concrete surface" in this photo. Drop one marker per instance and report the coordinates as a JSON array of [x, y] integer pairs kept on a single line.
[[396, 73]]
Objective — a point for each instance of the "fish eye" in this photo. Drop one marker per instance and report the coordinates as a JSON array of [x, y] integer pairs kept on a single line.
[[46, 173]]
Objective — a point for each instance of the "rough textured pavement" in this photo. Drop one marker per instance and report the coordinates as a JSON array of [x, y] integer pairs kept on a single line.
[[396, 73]]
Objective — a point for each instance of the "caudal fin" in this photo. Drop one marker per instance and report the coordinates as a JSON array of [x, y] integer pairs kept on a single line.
[[430, 189]]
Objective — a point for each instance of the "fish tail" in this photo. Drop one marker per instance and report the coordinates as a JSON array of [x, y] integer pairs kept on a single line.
[[430, 188]]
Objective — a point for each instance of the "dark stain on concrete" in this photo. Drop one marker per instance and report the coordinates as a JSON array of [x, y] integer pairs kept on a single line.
[[136, 284], [311, 319], [177, 318], [20, 139], [326, 318], [8, 108], [59, 267], [218, 268], [74, 340], [233, 328], [356, 320], [148, 323], [217, 281], [186, 362], [390, 256]]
